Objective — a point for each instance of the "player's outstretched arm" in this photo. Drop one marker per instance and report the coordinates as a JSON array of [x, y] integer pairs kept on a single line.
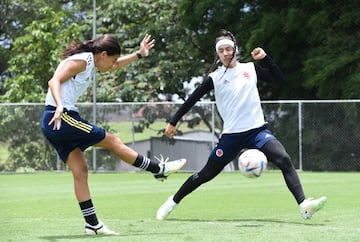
[[145, 46]]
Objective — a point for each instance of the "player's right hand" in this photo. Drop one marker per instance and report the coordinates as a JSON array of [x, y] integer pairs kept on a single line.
[[56, 120]]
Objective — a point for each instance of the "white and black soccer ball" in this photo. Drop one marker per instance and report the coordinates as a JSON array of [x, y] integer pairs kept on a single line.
[[252, 163]]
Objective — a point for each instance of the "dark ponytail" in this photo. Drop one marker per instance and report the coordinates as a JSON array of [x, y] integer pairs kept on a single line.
[[105, 42]]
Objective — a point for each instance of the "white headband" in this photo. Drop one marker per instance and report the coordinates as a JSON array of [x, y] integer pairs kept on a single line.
[[224, 42]]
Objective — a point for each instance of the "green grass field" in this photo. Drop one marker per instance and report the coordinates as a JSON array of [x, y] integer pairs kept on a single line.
[[42, 207]]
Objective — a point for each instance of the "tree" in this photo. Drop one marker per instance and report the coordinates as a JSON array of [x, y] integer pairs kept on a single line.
[[316, 43], [304, 38], [169, 64], [15, 16], [20, 129], [37, 55], [332, 65]]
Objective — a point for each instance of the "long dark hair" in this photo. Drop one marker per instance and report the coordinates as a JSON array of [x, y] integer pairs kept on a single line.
[[105, 42]]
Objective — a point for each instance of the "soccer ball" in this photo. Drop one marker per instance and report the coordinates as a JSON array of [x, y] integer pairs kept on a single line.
[[252, 163]]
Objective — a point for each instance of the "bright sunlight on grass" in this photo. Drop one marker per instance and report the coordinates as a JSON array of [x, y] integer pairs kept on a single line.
[[42, 207]]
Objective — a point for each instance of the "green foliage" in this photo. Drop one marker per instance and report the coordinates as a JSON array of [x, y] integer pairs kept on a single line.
[[36, 56], [335, 54], [203, 21], [337, 122], [167, 66], [283, 122], [15, 16], [20, 129], [316, 44]]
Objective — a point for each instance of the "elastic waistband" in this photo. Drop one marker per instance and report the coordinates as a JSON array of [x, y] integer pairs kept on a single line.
[[52, 108]]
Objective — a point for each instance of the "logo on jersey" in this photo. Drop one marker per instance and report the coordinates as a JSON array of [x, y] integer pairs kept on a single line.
[[219, 152], [246, 75], [268, 136], [89, 60]]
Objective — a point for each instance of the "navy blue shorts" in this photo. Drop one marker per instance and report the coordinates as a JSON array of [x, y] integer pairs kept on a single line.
[[75, 132], [230, 145]]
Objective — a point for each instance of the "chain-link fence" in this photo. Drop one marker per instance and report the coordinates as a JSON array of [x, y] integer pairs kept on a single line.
[[318, 135]]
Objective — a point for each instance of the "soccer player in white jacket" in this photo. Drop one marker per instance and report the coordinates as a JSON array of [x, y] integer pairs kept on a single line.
[[238, 102]]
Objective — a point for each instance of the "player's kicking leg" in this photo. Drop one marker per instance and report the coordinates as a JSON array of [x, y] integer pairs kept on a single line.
[[168, 167]]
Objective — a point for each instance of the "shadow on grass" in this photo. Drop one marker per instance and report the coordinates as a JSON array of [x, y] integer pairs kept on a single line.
[[121, 236], [74, 237], [243, 223], [247, 222]]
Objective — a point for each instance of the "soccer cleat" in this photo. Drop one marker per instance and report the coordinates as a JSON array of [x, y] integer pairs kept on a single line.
[[310, 206], [99, 230], [168, 167], [166, 208]]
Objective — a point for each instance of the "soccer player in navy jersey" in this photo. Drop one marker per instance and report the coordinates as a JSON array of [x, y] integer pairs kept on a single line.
[[238, 102]]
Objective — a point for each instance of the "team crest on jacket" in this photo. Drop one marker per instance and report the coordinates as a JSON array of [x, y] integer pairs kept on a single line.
[[219, 152], [246, 75]]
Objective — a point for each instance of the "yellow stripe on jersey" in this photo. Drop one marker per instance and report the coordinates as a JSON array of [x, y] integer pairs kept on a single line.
[[75, 123]]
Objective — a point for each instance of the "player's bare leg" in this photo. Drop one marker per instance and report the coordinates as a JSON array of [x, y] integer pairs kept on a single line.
[[77, 164]]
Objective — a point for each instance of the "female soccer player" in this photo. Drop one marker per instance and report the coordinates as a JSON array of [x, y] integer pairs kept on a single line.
[[238, 103], [71, 135]]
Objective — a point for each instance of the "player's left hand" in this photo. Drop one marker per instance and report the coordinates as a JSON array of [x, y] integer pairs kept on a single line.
[[146, 44], [258, 53]]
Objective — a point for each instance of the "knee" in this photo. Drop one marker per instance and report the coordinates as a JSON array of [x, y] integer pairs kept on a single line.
[[113, 139], [204, 176], [199, 178], [77, 164], [283, 161], [112, 142], [80, 173]]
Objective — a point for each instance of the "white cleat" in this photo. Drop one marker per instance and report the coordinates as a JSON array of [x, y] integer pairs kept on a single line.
[[100, 229], [168, 167], [166, 208], [310, 206]]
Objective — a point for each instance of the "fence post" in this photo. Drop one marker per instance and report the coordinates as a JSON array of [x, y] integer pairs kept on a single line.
[[133, 125], [213, 124], [300, 134], [94, 86]]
